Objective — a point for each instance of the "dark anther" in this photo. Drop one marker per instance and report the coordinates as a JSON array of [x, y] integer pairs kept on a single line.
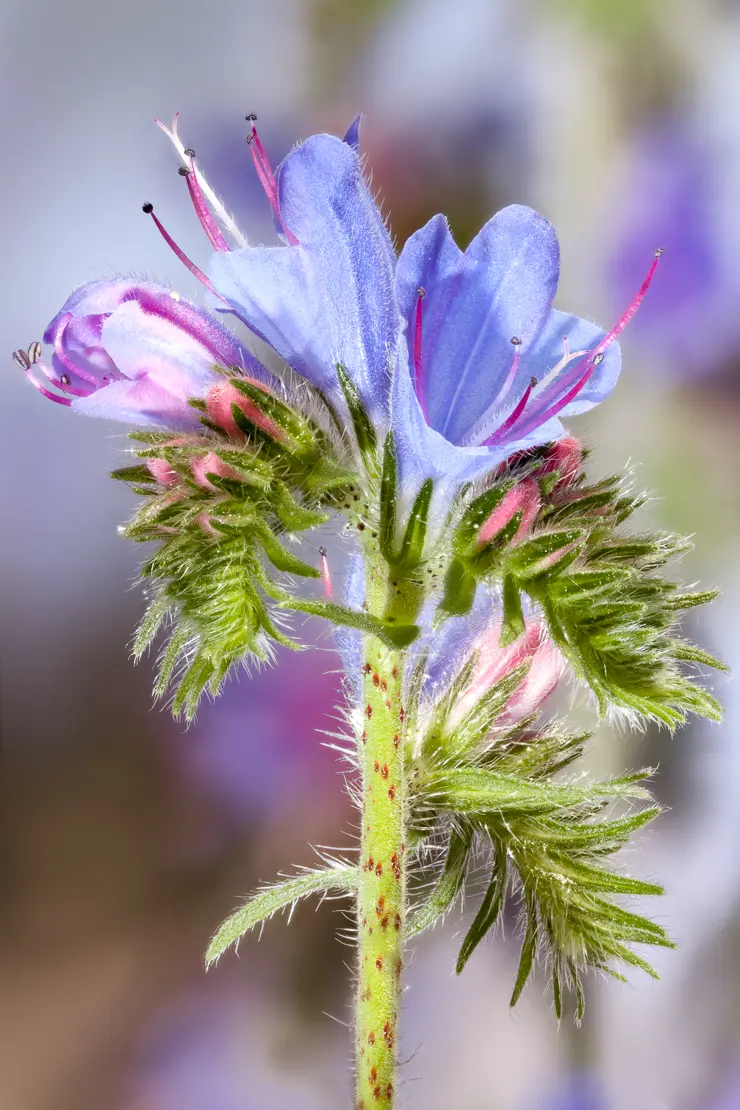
[[516, 341], [183, 171], [597, 359], [421, 292], [34, 351], [250, 136], [148, 208], [190, 152], [251, 118], [532, 382], [322, 552], [659, 252], [22, 360]]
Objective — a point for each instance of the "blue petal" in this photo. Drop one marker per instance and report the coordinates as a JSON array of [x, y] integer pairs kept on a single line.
[[352, 137], [422, 453], [329, 299], [475, 302]]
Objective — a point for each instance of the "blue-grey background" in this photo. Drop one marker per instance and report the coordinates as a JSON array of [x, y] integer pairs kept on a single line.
[[128, 838]]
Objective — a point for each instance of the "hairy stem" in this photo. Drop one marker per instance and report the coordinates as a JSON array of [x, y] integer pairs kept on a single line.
[[381, 893]]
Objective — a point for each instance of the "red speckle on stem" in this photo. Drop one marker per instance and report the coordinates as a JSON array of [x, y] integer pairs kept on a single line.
[[371, 1038], [369, 712], [396, 740], [379, 963], [379, 868], [392, 793], [367, 668], [376, 679], [384, 771]]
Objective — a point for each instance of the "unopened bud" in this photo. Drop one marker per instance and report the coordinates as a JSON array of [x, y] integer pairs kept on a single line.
[[223, 395], [211, 464], [523, 498], [162, 471]]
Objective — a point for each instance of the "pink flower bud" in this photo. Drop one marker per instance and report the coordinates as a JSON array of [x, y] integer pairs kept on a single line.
[[211, 464], [524, 498], [564, 456], [223, 395], [547, 667], [162, 471]]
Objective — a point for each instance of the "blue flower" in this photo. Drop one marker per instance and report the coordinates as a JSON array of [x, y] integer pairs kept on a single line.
[[461, 354]]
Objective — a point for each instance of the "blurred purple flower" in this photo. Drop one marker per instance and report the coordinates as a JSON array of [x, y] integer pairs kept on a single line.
[[671, 197]]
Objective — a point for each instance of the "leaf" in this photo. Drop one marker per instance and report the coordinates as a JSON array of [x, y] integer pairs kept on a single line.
[[449, 884], [265, 903], [460, 587], [489, 910], [412, 544], [388, 483], [392, 635], [364, 431], [529, 949]]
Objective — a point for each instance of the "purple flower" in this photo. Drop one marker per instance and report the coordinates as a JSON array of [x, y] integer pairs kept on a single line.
[[460, 353], [136, 352]]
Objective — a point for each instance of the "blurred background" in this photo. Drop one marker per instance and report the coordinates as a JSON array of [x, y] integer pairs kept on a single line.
[[127, 837]]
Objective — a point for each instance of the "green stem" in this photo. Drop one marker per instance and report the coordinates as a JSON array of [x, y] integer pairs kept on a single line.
[[381, 894]]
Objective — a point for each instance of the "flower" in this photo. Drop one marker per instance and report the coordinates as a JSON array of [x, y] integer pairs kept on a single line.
[[460, 353], [136, 352]]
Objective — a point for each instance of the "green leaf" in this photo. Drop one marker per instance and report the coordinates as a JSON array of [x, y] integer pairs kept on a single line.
[[512, 622], [393, 635], [388, 482], [459, 591], [529, 949], [489, 910], [364, 431], [690, 653], [341, 880], [281, 557], [449, 884], [412, 546]]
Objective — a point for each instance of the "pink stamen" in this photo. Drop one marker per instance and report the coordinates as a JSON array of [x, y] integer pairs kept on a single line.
[[418, 365], [592, 359], [149, 210], [328, 590], [200, 205], [500, 433], [266, 176], [21, 359]]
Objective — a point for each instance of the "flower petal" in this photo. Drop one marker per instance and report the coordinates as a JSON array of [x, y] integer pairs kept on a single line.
[[475, 302], [330, 298], [143, 402], [352, 136], [146, 346]]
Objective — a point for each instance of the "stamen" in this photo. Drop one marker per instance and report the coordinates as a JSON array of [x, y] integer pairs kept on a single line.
[[592, 360], [500, 433], [556, 370], [226, 219], [202, 211], [418, 365], [508, 383], [266, 176], [149, 210], [328, 590], [21, 359]]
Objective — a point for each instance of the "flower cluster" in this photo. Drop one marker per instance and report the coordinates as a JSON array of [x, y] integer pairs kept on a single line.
[[418, 396]]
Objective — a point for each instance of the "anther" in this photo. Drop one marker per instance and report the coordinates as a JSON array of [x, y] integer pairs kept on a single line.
[[183, 171], [148, 208], [659, 252], [34, 351], [421, 292], [20, 358], [190, 152], [516, 341]]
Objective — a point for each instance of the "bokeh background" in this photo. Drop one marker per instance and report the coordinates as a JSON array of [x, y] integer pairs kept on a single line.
[[127, 837]]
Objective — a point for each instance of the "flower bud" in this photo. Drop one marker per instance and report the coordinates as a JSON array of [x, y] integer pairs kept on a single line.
[[565, 456], [547, 667], [219, 399], [524, 498], [162, 471], [211, 464]]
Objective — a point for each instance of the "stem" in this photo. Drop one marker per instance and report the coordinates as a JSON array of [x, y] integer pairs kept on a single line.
[[381, 894]]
